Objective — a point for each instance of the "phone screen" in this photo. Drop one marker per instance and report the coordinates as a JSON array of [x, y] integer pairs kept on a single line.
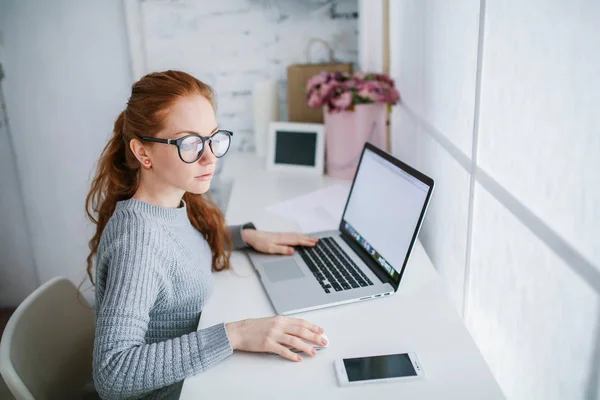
[[379, 367]]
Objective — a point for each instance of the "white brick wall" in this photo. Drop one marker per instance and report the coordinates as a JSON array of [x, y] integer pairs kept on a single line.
[[230, 44]]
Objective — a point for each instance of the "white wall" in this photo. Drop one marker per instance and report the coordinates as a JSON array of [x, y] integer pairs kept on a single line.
[[433, 58], [67, 77], [500, 104], [371, 39], [17, 269]]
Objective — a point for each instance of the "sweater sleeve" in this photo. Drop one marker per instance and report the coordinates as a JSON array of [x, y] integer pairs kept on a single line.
[[235, 233], [124, 365]]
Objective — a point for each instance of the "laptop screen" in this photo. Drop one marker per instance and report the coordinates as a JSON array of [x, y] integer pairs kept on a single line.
[[384, 210]]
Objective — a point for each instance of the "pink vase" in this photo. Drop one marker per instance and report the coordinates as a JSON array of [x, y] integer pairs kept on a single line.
[[346, 133]]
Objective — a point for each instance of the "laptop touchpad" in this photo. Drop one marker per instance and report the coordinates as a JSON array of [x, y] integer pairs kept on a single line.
[[283, 270]]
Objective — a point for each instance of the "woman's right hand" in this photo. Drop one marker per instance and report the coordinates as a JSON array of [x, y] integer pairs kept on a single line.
[[275, 335]]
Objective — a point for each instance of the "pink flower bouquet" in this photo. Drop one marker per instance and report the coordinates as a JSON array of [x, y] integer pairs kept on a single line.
[[339, 91]]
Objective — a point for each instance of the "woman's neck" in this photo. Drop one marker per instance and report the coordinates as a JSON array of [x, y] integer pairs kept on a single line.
[[159, 195]]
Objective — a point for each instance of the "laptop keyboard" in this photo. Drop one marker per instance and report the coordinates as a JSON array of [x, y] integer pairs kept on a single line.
[[332, 268]]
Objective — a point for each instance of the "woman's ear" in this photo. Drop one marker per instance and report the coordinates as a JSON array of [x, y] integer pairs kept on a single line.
[[140, 152]]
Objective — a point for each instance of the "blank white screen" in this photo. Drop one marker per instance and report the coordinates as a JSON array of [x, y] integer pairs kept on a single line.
[[385, 206]]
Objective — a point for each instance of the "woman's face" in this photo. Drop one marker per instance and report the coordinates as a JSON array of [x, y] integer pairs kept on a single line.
[[190, 114]]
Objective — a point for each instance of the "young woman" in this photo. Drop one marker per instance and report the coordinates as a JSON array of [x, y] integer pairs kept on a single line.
[[158, 240]]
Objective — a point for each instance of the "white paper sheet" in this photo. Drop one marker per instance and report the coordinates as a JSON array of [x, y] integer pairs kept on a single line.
[[320, 210]]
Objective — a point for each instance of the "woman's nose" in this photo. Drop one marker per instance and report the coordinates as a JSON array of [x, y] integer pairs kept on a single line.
[[207, 156]]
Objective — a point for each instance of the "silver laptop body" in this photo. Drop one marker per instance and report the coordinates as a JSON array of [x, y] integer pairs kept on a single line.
[[366, 257]]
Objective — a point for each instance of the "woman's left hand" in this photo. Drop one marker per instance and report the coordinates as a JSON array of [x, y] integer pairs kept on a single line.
[[276, 243]]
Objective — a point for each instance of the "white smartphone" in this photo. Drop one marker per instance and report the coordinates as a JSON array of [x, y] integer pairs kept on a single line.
[[383, 368]]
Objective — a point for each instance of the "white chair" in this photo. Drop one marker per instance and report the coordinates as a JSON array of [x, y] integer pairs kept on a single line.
[[46, 349]]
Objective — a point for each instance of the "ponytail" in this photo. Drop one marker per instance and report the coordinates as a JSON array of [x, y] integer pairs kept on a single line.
[[117, 178], [206, 217]]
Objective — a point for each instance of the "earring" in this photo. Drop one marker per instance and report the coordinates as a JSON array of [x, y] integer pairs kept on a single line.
[[147, 164]]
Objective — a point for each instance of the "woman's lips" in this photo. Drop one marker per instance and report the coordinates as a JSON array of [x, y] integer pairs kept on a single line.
[[205, 176]]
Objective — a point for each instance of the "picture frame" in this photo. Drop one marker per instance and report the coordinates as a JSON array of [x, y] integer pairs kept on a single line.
[[296, 147]]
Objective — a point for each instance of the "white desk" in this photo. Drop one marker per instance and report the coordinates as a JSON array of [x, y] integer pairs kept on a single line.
[[418, 318]]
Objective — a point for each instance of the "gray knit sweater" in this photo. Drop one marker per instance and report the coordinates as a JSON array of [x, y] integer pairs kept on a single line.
[[153, 275]]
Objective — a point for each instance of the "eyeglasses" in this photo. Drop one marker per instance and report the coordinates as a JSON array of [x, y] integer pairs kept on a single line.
[[191, 147]]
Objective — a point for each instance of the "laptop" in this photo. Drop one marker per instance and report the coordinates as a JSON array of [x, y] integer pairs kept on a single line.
[[367, 255]]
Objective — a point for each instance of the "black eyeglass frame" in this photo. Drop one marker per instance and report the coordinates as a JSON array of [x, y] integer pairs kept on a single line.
[[178, 142]]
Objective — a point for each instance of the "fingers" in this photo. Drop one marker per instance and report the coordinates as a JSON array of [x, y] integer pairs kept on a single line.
[[296, 239], [308, 243], [306, 334], [279, 249], [305, 324], [288, 331], [286, 353], [293, 341]]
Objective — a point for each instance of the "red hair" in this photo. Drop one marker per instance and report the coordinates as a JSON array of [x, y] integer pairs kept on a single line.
[[118, 172]]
